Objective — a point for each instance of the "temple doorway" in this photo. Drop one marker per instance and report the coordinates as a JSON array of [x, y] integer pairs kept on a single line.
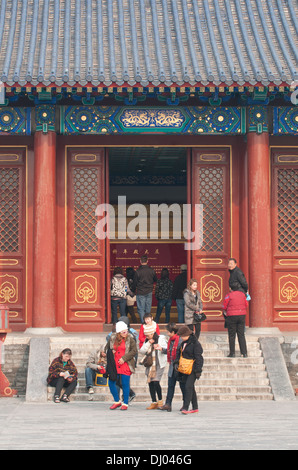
[[148, 191]]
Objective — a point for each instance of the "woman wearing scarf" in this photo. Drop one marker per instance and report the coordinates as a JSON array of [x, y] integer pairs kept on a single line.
[[157, 345], [192, 304], [148, 320], [174, 344]]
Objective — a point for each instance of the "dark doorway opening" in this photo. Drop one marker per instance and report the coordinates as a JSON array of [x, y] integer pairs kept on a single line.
[[149, 176]]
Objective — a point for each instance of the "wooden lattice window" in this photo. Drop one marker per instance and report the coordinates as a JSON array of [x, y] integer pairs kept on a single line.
[[211, 196], [85, 202], [287, 196], [9, 209]]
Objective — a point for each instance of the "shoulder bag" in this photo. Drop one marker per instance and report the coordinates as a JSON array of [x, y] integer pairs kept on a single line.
[[185, 365], [199, 316]]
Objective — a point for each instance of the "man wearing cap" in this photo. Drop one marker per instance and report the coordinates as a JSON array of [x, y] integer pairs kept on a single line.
[[178, 289]]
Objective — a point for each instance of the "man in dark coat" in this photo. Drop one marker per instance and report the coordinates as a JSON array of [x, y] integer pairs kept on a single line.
[[180, 284], [143, 281], [237, 279]]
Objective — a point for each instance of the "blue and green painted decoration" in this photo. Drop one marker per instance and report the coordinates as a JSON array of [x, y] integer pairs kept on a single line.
[[110, 120]]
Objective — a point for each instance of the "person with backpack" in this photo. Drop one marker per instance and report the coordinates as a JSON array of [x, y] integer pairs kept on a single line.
[[119, 291]]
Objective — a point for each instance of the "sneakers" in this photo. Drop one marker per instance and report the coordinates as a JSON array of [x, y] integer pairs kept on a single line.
[[90, 390], [115, 406], [187, 412], [131, 398], [120, 405]]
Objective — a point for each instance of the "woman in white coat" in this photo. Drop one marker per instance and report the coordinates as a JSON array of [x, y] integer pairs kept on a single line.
[[157, 347]]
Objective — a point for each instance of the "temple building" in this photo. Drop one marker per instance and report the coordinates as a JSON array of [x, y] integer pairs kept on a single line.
[[186, 103]]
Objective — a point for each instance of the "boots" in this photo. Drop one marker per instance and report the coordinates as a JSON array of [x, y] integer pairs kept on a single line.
[[153, 406], [159, 404]]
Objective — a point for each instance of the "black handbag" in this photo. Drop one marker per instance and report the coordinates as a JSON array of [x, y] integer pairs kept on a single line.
[[199, 317], [111, 369]]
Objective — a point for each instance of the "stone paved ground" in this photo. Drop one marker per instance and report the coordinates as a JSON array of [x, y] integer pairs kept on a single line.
[[238, 425]]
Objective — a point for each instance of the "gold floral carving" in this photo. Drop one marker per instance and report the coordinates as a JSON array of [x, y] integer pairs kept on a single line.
[[211, 288], [85, 289], [8, 289], [288, 289]]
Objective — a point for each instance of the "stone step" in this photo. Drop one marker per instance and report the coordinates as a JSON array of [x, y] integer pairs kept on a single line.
[[209, 363], [223, 378], [210, 388], [146, 398], [208, 354], [226, 384], [78, 348], [210, 375]]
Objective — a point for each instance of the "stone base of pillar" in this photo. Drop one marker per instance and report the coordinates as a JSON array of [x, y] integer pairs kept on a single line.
[[44, 331], [254, 331]]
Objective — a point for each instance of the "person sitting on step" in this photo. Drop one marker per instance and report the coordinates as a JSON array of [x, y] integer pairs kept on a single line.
[[63, 374], [96, 363]]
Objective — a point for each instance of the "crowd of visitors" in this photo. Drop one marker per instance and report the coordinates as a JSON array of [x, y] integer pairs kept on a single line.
[[179, 348]]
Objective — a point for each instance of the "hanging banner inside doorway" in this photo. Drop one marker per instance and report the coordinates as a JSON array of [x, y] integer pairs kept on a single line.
[[160, 255]]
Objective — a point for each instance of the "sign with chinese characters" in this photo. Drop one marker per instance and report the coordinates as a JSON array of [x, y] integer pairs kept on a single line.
[[160, 255]]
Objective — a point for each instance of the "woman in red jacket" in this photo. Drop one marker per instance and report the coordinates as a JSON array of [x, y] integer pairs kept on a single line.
[[235, 305]]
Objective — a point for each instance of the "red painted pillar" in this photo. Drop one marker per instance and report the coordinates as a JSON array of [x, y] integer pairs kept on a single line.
[[44, 252], [259, 229]]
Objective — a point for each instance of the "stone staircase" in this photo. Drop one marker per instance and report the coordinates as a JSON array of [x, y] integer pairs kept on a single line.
[[223, 378]]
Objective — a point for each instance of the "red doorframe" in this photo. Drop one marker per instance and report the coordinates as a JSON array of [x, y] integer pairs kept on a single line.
[[284, 171], [81, 264], [107, 241], [162, 140], [209, 264], [16, 257], [189, 202]]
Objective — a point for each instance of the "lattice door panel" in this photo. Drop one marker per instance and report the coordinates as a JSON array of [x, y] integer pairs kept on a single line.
[[13, 233], [86, 253], [285, 234], [211, 189]]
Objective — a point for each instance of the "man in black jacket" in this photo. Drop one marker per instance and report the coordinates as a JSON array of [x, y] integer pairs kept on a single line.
[[178, 289], [143, 281], [237, 279]]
